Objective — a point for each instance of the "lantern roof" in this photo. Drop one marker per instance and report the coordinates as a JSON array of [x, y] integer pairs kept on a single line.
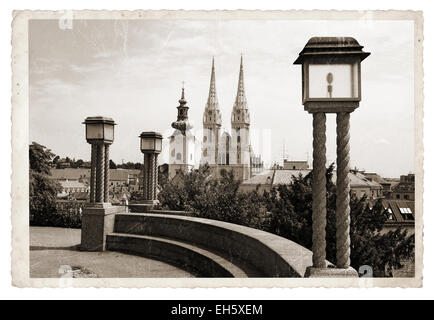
[[331, 46], [99, 119], [151, 134]]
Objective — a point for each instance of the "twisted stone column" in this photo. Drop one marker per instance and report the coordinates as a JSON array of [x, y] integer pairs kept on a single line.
[[145, 175], [151, 176], [155, 180], [93, 173], [106, 172], [343, 190], [319, 211], [100, 173]]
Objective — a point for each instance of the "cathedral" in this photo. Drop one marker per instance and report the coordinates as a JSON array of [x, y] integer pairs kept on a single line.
[[221, 149], [228, 150]]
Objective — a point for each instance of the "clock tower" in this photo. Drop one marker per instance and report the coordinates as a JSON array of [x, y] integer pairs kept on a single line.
[[182, 141]]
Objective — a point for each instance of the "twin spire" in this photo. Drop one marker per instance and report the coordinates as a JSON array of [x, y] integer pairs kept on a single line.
[[213, 102], [240, 100]]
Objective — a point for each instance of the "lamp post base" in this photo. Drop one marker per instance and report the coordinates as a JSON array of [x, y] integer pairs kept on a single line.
[[97, 221], [312, 272], [101, 205]]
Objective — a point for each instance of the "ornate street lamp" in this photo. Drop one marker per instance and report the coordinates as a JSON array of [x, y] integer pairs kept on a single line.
[[331, 83], [331, 74], [100, 134], [98, 217], [150, 145]]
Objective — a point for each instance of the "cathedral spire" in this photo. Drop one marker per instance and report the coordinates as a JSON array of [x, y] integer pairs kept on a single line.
[[240, 100], [212, 116], [212, 102]]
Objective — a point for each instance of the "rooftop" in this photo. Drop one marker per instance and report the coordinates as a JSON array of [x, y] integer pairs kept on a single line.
[[286, 177], [72, 184], [77, 173]]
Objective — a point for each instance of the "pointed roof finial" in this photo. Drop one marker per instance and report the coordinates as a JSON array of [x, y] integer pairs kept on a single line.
[[212, 102], [182, 101], [240, 100]]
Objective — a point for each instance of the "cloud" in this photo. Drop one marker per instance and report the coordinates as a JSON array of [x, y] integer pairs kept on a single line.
[[132, 71]]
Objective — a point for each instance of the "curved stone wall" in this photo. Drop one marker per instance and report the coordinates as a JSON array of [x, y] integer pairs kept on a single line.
[[261, 253]]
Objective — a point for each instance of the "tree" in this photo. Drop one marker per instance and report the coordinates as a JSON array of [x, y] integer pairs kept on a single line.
[[40, 158], [131, 165], [42, 190], [55, 160], [138, 166], [79, 163], [112, 164], [217, 199]]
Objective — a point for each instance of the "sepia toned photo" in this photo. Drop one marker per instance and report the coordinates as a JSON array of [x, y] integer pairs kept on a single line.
[[217, 149]]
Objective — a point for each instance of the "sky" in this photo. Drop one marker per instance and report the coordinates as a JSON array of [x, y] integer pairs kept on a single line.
[[133, 70]]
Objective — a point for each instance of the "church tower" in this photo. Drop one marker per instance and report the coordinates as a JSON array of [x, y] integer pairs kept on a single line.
[[212, 123], [182, 141], [240, 123]]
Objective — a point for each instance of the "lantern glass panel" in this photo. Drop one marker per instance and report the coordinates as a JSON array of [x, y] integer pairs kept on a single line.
[[158, 145], [333, 81], [94, 131], [109, 132], [147, 144]]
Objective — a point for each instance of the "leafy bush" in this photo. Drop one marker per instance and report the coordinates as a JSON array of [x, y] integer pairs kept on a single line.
[[63, 219], [45, 210], [217, 199], [67, 215]]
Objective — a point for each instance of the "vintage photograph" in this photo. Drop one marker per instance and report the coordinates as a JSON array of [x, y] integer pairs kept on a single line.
[[236, 148]]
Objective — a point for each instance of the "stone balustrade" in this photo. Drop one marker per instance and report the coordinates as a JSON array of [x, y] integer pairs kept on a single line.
[[236, 250]]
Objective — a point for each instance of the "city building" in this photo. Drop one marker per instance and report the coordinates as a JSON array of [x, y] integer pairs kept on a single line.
[[130, 178], [229, 150], [71, 174], [386, 184], [256, 164], [63, 163], [359, 184], [401, 213], [405, 189], [71, 187], [295, 165]]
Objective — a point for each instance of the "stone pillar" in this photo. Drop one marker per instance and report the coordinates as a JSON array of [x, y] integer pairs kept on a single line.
[[145, 175], [99, 216], [152, 176], [320, 268], [106, 172], [100, 173], [319, 210], [343, 190], [93, 173]]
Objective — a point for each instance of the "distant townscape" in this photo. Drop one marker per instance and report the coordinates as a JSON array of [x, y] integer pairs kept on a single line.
[[231, 183], [230, 151]]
